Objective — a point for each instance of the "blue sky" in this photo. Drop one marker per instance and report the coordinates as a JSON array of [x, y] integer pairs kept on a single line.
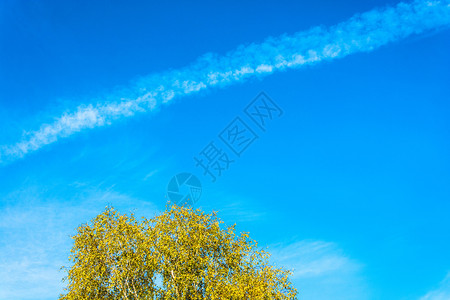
[[349, 187]]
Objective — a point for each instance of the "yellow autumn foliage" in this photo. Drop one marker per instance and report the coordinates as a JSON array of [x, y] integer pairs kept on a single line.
[[180, 254]]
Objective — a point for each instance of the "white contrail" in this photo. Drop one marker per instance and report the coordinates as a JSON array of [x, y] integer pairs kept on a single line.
[[361, 33]]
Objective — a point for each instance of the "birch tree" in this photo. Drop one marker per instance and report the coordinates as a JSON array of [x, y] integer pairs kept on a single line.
[[180, 254]]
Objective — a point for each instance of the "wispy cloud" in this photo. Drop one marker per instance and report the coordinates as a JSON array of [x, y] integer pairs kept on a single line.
[[313, 258], [321, 270], [361, 33], [150, 174], [440, 293], [233, 208], [35, 231]]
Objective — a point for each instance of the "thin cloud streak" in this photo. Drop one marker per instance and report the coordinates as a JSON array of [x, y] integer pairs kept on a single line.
[[441, 293], [313, 258], [361, 33], [321, 270], [35, 235]]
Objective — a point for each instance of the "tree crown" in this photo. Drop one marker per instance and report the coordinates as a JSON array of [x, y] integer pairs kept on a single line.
[[180, 254]]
